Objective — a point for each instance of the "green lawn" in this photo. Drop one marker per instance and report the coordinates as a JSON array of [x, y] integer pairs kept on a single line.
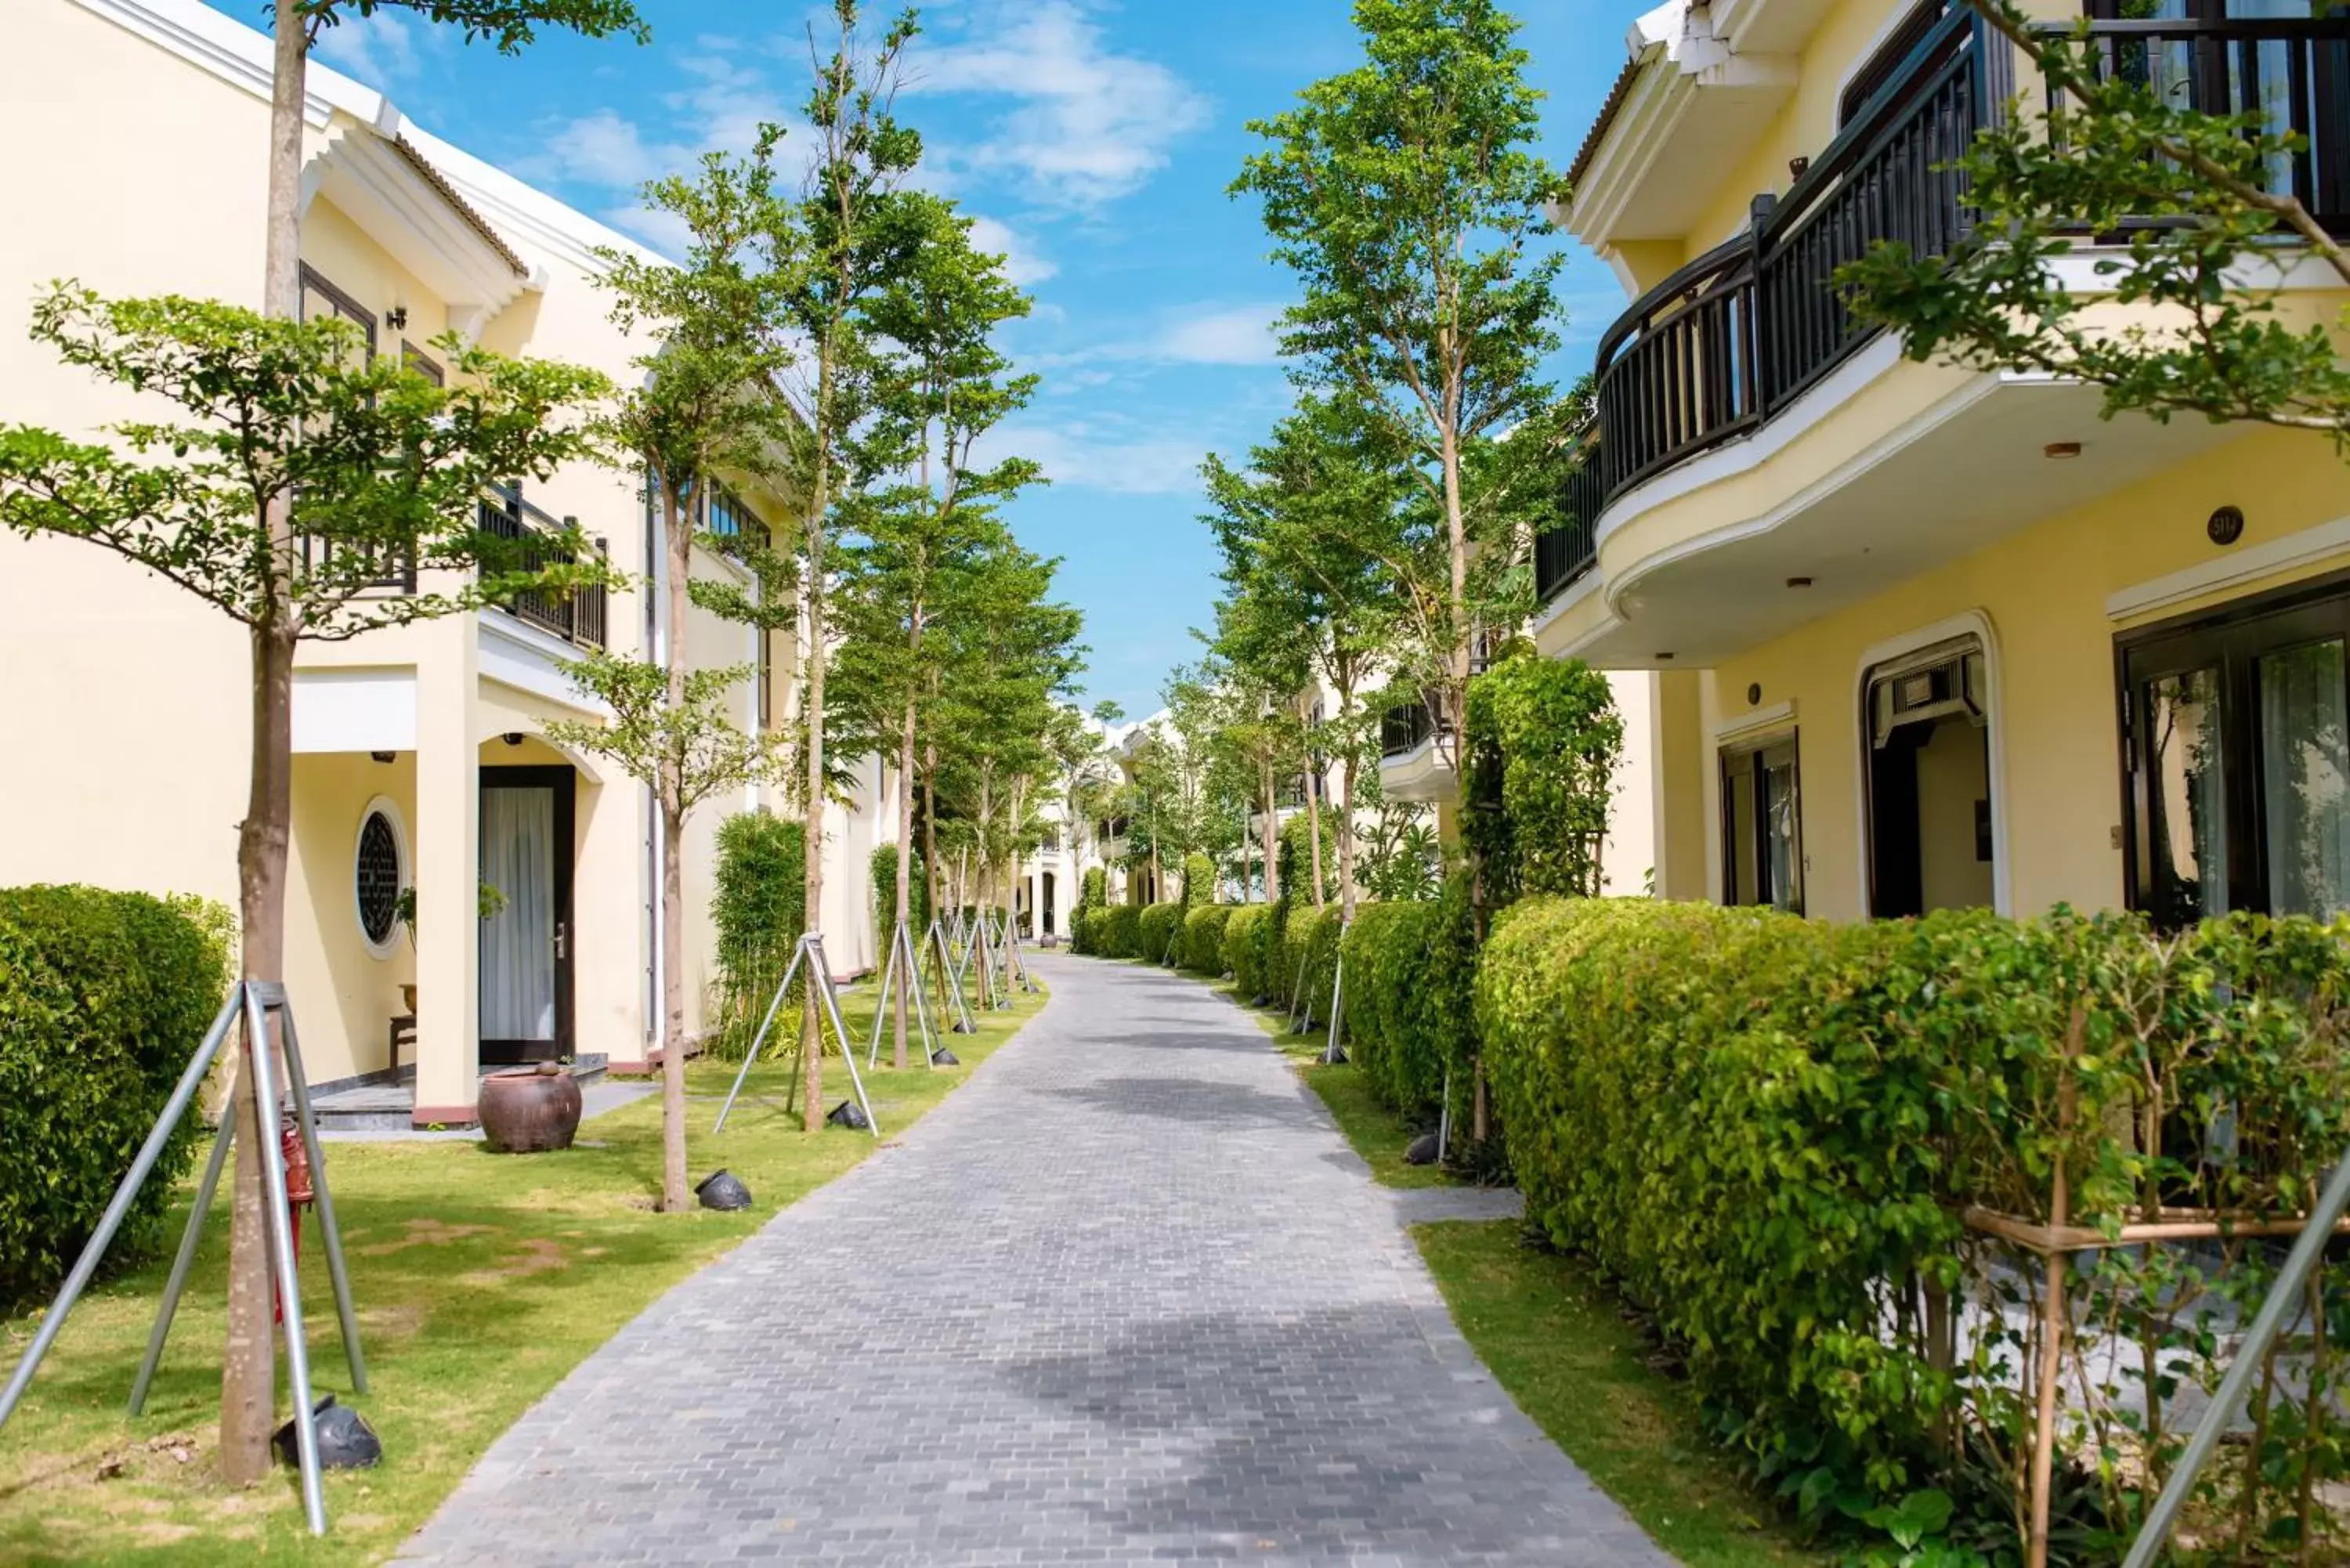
[[481, 1279], [1557, 1341]]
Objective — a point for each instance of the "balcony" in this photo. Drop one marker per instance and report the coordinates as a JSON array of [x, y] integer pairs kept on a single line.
[[1726, 346], [1413, 765], [576, 618]]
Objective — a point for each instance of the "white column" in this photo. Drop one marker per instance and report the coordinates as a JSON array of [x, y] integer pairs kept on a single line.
[[448, 875]]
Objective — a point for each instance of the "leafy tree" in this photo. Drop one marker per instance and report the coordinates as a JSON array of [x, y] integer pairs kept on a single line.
[[914, 546], [1404, 195], [1315, 537], [850, 233], [2110, 153], [703, 408], [247, 1373], [294, 491], [1260, 668]]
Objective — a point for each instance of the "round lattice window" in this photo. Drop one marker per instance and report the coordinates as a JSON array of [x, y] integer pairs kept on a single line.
[[378, 872]]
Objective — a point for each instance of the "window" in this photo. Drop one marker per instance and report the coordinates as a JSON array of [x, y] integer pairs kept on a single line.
[[729, 519], [1761, 826], [2236, 740], [321, 299], [1930, 806], [423, 363], [379, 875]]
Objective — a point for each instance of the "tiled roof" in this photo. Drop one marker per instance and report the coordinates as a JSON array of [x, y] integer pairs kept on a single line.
[[1599, 133], [481, 225]]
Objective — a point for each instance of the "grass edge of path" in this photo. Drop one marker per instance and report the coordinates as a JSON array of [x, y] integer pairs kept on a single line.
[[482, 1281]]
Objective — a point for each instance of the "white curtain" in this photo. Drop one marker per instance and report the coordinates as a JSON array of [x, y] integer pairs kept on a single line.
[[2305, 779], [518, 942]]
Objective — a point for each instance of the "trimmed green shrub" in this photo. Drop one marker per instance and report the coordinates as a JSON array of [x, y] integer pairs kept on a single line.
[[1158, 927], [759, 903], [1543, 743], [1246, 934], [1121, 931], [1393, 1034], [885, 895], [1093, 892], [104, 997], [1199, 880], [1203, 938], [1768, 1130], [1312, 940]]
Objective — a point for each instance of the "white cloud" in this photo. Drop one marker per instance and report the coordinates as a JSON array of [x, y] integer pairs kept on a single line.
[[602, 149], [1078, 456], [376, 48], [657, 226], [1089, 125], [1240, 336], [1022, 264]]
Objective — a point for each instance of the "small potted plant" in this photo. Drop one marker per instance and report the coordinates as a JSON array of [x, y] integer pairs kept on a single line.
[[491, 902]]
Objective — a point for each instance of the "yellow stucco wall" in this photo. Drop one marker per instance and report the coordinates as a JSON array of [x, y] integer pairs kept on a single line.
[[2043, 593]]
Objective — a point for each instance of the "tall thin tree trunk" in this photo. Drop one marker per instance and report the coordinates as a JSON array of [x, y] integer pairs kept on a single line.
[[905, 866], [1346, 806], [931, 870], [1271, 832], [678, 542], [1313, 786], [811, 1040], [249, 1362]]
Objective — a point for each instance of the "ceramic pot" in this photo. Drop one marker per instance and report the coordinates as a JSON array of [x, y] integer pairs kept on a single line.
[[529, 1109]]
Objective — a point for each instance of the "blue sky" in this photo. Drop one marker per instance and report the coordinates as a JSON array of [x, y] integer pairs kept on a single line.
[[1094, 143]]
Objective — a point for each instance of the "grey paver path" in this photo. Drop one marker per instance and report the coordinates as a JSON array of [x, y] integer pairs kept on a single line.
[[1125, 1298]]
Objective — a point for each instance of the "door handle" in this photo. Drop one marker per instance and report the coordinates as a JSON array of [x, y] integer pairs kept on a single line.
[[561, 939]]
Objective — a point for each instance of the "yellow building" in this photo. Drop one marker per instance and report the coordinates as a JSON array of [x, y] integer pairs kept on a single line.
[[1923, 636], [419, 755]]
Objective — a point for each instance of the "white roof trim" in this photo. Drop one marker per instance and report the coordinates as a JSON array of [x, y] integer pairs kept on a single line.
[[367, 175], [236, 54]]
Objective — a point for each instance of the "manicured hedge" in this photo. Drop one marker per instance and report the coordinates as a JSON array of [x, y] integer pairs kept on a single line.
[[103, 998], [1392, 1036], [1246, 937], [759, 903], [1121, 931], [1158, 925], [1198, 879], [1093, 892], [1203, 938], [885, 896], [1767, 1128], [1311, 954]]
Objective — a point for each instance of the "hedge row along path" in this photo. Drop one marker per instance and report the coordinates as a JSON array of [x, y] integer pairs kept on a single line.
[[1127, 1296]]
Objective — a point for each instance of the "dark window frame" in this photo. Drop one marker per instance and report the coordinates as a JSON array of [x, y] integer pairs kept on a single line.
[[1751, 752], [1885, 61], [2233, 636], [346, 305]]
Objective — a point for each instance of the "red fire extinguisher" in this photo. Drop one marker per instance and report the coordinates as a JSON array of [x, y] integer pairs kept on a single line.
[[300, 1192]]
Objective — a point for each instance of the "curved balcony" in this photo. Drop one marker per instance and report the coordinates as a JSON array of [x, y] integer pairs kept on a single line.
[[1733, 339]]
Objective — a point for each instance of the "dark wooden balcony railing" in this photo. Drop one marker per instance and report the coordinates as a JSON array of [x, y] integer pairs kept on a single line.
[[2293, 72], [1728, 342], [577, 617], [1405, 730]]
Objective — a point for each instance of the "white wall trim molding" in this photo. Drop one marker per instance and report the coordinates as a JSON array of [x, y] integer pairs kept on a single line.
[[514, 653], [1575, 593], [1760, 721], [1730, 459], [2234, 569], [1977, 624], [1884, 449], [355, 710], [240, 55]]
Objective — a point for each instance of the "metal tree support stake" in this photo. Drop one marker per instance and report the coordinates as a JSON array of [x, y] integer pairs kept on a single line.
[[905, 971], [950, 983], [810, 951], [2284, 1302], [1301, 1006], [1337, 1006], [251, 1003]]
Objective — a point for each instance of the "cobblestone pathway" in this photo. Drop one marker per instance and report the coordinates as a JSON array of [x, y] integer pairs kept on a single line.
[[1127, 1297]]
